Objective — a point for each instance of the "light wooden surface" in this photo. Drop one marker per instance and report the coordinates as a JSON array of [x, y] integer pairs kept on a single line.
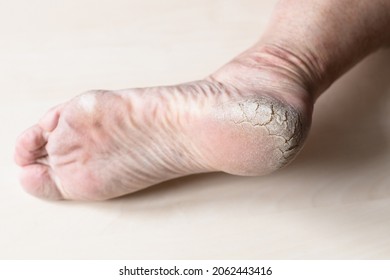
[[332, 202]]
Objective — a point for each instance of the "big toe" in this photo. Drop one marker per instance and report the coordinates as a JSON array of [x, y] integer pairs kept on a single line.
[[37, 180], [30, 153]]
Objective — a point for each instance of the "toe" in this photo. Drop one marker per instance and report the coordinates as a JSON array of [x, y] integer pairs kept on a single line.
[[37, 180], [30, 146], [50, 120]]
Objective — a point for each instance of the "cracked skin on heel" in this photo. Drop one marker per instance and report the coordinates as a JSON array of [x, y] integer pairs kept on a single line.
[[256, 135]]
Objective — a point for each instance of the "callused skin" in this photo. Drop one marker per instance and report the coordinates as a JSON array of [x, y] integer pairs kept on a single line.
[[250, 117], [265, 134]]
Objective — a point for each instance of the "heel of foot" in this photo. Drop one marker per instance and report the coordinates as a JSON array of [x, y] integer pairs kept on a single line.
[[255, 135]]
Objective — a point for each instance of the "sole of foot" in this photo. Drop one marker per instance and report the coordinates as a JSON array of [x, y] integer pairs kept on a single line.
[[105, 144]]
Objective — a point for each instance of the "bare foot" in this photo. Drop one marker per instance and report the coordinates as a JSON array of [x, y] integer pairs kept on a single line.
[[242, 120]]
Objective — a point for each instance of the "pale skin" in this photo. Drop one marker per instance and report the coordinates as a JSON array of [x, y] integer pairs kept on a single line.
[[250, 117]]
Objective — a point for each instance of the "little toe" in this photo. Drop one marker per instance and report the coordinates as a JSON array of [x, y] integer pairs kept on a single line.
[[30, 146], [50, 120], [37, 180]]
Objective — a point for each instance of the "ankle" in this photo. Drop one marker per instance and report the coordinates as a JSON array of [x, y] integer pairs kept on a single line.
[[274, 70]]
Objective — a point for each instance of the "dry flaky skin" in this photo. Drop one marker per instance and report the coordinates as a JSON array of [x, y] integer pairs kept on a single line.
[[279, 128], [280, 120]]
